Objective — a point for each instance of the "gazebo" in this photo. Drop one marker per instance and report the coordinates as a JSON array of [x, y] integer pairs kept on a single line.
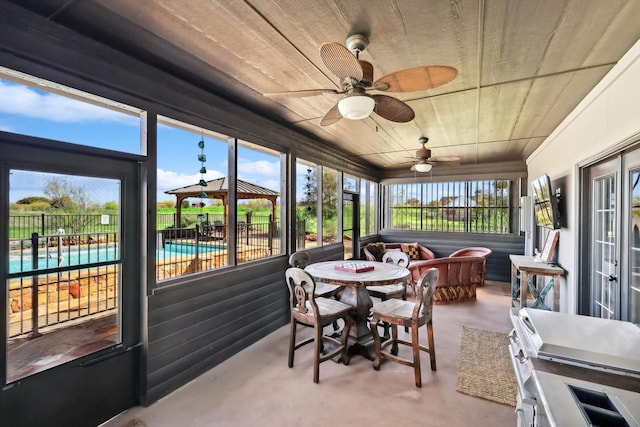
[[219, 189]]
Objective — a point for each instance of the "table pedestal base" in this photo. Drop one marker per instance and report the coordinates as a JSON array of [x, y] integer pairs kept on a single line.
[[360, 334]]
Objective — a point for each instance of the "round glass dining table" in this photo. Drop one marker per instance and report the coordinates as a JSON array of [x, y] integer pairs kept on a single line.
[[355, 290]]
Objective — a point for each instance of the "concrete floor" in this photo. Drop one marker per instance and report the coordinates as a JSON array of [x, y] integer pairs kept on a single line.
[[256, 388]]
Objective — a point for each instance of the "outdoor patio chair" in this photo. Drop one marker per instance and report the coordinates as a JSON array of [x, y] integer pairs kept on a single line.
[[475, 251], [410, 314], [317, 312], [205, 231]]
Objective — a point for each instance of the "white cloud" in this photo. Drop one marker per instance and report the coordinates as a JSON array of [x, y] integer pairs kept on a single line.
[[169, 180], [259, 167], [28, 102], [272, 184]]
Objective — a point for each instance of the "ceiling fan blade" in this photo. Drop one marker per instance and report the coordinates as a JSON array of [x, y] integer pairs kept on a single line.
[[393, 109], [340, 61], [445, 159], [301, 93], [331, 116], [418, 78]]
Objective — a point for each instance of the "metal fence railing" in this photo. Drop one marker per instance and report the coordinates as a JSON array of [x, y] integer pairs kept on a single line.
[[451, 220], [478, 206], [203, 247], [21, 226], [56, 278]]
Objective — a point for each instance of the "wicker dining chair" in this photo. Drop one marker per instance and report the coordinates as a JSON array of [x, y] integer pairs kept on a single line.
[[410, 314], [317, 312]]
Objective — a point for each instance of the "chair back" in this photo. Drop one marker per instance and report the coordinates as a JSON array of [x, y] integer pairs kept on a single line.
[[473, 251], [299, 259], [302, 287], [396, 257], [424, 298]]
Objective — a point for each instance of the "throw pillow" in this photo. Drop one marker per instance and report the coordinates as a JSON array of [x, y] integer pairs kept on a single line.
[[411, 249], [377, 250]]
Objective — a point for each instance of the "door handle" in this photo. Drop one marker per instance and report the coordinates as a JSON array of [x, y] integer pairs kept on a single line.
[[612, 278]]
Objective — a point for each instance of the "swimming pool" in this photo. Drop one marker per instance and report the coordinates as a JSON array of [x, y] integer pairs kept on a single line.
[[50, 258]]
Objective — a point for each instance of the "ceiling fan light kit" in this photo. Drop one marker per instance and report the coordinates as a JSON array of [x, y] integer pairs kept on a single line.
[[423, 167], [356, 107]]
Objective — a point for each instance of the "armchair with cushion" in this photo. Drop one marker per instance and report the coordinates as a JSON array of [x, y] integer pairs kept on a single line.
[[458, 277], [475, 251], [416, 252]]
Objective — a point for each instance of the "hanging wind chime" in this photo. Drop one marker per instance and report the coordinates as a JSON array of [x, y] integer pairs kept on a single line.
[[202, 158]]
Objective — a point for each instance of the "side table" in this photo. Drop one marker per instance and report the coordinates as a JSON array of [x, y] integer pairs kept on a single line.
[[528, 269]]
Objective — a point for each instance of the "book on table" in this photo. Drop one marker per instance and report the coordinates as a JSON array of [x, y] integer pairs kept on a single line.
[[352, 267]]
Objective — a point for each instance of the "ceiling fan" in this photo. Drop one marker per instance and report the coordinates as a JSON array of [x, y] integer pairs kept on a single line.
[[356, 78], [423, 162]]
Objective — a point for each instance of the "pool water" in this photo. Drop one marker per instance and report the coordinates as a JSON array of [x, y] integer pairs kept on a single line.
[[66, 257], [80, 256], [187, 249]]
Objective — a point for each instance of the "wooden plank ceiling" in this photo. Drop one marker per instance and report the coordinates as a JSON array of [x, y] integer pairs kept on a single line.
[[522, 65]]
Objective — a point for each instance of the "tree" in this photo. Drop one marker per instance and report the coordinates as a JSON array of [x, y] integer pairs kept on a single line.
[[33, 199], [111, 206], [72, 201], [329, 195], [64, 195], [166, 204]]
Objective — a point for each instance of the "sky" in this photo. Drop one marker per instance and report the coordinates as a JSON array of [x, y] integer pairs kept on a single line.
[[32, 111]]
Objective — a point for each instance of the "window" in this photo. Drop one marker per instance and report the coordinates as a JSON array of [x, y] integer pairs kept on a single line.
[[329, 205], [306, 204], [192, 199], [36, 107], [466, 207], [258, 202], [350, 183], [367, 207], [65, 244]]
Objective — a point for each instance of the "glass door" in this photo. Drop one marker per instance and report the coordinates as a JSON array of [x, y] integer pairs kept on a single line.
[[631, 292], [71, 276], [612, 290], [350, 224], [64, 272], [634, 248], [604, 226]]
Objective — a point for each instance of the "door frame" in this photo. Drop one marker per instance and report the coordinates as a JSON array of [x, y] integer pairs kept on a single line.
[[91, 389], [354, 198], [627, 157], [610, 166]]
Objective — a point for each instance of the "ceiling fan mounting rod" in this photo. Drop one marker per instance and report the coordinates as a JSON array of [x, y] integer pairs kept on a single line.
[[357, 43]]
